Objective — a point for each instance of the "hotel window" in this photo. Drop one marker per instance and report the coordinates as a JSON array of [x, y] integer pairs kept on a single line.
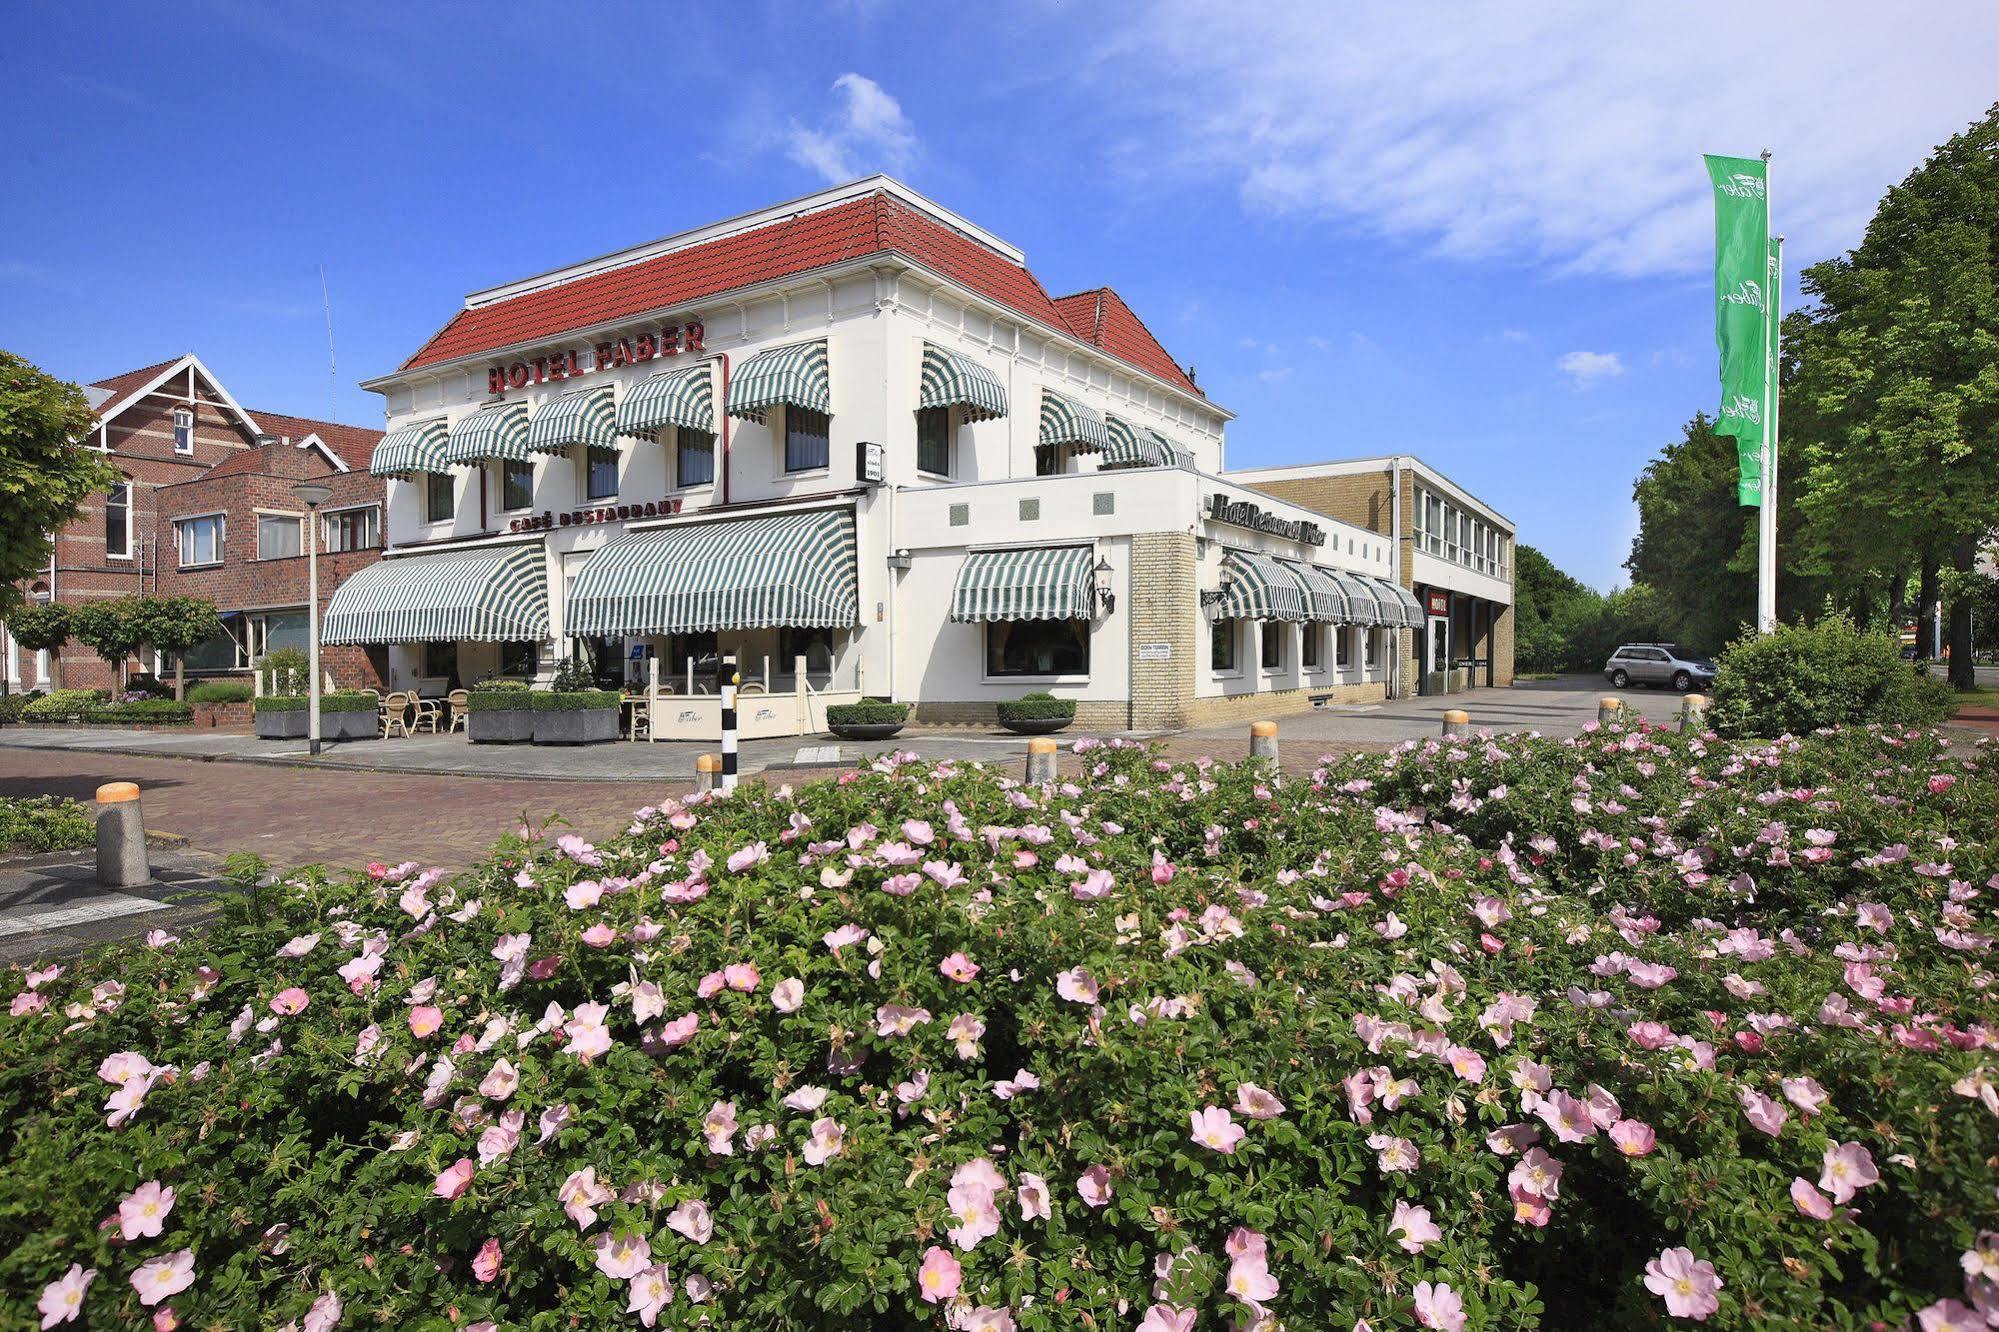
[[277, 537], [694, 452], [1270, 636], [1221, 646], [439, 496], [199, 540], [933, 440], [813, 644], [118, 521], [807, 439], [516, 484], [1368, 639], [1342, 646], [601, 468], [183, 430], [351, 529], [1435, 525], [1037, 647], [1308, 646]]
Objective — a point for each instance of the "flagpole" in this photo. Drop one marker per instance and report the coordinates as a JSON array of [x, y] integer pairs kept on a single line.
[[1766, 513]]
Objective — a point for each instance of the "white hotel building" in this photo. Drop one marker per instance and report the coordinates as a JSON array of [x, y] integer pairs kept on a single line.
[[851, 433]]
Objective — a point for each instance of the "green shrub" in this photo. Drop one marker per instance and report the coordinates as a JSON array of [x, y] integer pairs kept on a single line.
[[150, 710], [287, 671], [1804, 677], [11, 706], [1036, 706], [62, 704], [867, 712], [145, 682], [221, 691], [571, 677], [576, 700], [45, 823], [345, 700], [501, 685], [499, 696]]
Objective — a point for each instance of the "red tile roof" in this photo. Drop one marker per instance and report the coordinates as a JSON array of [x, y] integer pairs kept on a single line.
[[354, 444], [124, 386], [1101, 317], [242, 460], [877, 224]]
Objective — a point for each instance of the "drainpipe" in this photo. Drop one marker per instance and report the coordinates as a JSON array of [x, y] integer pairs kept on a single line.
[[723, 357], [1395, 567]]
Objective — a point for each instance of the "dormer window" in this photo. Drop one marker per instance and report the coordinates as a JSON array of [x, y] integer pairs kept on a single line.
[[183, 430]]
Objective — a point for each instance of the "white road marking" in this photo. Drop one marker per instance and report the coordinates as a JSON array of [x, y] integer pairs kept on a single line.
[[91, 909]]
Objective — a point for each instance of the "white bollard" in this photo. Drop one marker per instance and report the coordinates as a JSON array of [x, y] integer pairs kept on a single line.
[[1457, 722], [1041, 762], [1609, 711], [121, 837], [1693, 713]]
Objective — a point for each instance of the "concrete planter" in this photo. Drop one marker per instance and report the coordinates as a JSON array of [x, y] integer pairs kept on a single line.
[[286, 725], [865, 730], [501, 726], [575, 726], [365, 725], [1036, 725]]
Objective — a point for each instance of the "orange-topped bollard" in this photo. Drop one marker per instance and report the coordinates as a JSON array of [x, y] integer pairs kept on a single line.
[[121, 837], [707, 771], [1041, 760], [1456, 721], [1693, 713], [1263, 743], [1609, 711]]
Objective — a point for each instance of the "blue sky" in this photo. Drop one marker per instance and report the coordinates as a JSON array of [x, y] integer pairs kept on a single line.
[[1478, 233]]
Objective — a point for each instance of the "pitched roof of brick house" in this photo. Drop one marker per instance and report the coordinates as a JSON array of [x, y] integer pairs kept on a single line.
[[353, 445]]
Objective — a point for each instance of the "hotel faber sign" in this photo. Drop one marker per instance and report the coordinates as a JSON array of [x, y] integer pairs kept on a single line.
[[667, 341], [1242, 513]]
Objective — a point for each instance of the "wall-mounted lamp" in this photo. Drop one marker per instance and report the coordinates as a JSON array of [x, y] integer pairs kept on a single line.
[[1101, 573], [899, 561]]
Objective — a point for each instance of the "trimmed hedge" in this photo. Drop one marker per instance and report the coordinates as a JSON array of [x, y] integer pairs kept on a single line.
[[499, 700], [1034, 707], [221, 691], [63, 704], [344, 701], [154, 710], [580, 700], [867, 712], [45, 823], [11, 706], [1805, 677]]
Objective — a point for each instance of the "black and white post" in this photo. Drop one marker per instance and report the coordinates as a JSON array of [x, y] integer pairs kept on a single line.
[[726, 680]]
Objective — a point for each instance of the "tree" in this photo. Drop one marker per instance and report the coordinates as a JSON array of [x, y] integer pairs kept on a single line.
[[1897, 376], [45, 469], [109, 628], [41, 627], [175, 624]]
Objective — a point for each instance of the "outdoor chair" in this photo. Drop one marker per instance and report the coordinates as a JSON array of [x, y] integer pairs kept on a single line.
[[394, 712], [425, 714], [456, 698]]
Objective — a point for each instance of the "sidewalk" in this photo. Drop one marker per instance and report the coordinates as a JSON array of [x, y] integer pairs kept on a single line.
[[51, 905]]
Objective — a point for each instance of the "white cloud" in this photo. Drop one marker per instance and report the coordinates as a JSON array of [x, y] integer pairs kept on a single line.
[[1587, 367], [1275, 374], [866, 132], [1567, 133]]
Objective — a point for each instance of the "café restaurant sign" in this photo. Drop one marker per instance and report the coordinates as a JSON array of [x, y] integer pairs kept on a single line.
[[1242, 513], [615, 513], [667, 340]]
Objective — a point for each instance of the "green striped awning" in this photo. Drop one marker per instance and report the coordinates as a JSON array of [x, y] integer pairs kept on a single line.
[[1037, 584], [1325, 600], [794, 569], [486, 596], [1363, 606], [1066, 421], [412, 449], [1406, 610], [500, 431], [1133, 446], [795, 376], [951, 380], [580, 416], [684, 398], [1258, 587]]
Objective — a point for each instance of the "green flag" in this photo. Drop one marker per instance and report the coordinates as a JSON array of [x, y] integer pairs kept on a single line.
[[1742, 309]]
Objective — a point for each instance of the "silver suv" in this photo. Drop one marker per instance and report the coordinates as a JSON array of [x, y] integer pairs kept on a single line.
[[1657, 664]]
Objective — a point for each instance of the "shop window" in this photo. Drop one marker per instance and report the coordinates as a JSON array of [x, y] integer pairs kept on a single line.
[[600, 465], [701, 649], [517, 659], [1343, 646], [277, 537], [1048, 459], [807, 439], [1370, 645], [694, 454], [815, 645], [440, 661], [199, 540], [183, 430], [516, 484], [1270, 637], [118, 521], [1221, 646], [1309, 645], [1037, 647], [933, 440], [440, 497], [351, 529]]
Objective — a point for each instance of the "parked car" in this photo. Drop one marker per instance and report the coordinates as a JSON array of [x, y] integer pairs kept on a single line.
[[1658, 664]]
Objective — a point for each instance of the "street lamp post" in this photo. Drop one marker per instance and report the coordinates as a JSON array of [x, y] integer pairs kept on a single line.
[[312, 494]]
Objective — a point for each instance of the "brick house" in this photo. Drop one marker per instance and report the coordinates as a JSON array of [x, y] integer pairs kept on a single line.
[[164, 426]]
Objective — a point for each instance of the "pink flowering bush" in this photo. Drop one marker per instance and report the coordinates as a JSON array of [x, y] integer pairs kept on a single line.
[[1629, 1031]]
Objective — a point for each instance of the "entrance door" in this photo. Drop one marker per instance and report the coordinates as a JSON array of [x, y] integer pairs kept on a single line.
[[1437, 654]]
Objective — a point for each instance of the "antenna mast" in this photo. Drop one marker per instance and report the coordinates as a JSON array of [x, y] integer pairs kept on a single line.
[[332, 364]]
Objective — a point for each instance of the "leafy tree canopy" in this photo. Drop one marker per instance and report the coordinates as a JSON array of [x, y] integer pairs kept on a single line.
[[45, 470]]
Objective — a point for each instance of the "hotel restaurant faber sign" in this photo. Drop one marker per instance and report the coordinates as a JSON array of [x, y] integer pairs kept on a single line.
[[668, 340], [1242, 513]]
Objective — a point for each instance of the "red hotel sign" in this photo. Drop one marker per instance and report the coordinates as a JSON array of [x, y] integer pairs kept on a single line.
[[670, 340], [1440, 602]]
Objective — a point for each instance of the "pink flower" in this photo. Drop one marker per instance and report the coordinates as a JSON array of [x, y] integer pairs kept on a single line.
[[1412, 1227], [742, 976], [165, 1277], [679, 1031], [651, 1293], [580, 1196], [144, 1211], [1764, 1113], [1216, 1128], [1687, 1286], [1394, 1155], [692, 1220], [622, 1255], [1031, 1194], [1809, 1201], [501, 1082], [1094, 1186], [62, 1298], [1077, 985], [1633, 1137], [486, 1264], [454, 1179], [588, 1036], [290, 1001], [424, 1020], [1167, 1318], [1949, 1315], [756, 853], [1849, 1168], [827, 1141], [940, 1276], [959, 968], [1806, 1094], [1249, 1278], [1568, 1118], [788, 995], [1253, 1102], [324, 1315], [1439, 1306], [719, 1128]]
